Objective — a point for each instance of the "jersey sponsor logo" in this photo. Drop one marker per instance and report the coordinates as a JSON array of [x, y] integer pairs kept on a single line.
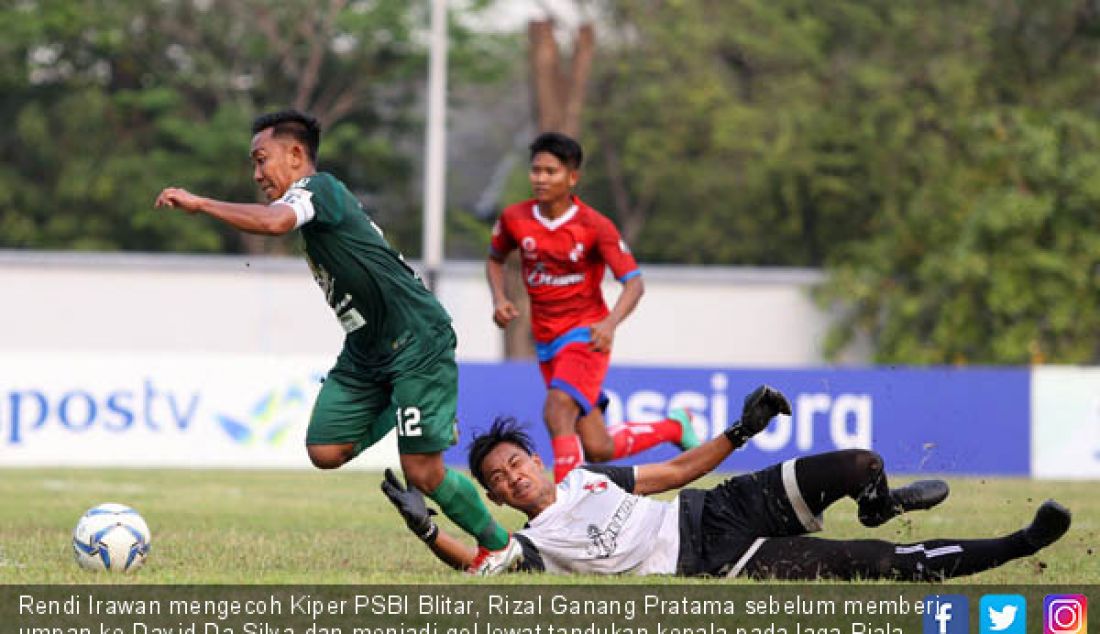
[[623, 247], [595, 488], [604, 542], [539, 277]]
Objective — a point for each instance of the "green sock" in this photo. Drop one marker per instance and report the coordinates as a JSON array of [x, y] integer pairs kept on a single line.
[[458, 498]]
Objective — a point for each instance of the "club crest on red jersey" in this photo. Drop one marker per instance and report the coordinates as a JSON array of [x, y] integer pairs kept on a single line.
[[577, 252]]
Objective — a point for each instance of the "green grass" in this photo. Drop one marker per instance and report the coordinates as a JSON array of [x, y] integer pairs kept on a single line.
[[335, 527]]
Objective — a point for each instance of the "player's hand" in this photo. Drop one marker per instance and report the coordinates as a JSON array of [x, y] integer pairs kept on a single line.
[[410, 504], [602, 335], [761, 406], [179, 198], [504, 312]]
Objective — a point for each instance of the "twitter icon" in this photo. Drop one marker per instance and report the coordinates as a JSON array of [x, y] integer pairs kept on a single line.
[[1003, 614]]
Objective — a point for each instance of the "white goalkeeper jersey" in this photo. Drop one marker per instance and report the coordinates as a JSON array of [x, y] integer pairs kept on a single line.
[[596, 525]]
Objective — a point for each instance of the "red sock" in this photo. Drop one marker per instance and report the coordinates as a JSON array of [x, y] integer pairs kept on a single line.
[[632, 438], [567, 454]]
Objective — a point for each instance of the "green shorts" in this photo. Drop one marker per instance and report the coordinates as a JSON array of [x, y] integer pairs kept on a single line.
[[421, 403]]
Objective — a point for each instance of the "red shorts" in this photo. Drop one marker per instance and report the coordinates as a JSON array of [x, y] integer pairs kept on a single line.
[[577, 371]]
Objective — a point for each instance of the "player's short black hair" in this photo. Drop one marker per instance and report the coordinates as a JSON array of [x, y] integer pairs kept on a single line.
[[299, 125], [564, 147], [503, 429]]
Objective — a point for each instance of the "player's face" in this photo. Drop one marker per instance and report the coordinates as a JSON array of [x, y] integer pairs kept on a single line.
[[276, 163], [551, 180], [515, 478]]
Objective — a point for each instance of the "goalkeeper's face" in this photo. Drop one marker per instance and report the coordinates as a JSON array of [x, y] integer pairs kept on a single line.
[[517, 479], [276, 163]]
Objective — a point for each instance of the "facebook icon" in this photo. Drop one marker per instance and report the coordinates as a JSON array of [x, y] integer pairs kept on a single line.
[[946, 614]]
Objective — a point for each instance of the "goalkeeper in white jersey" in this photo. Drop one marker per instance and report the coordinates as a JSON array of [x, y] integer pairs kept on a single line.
[[597, 521]]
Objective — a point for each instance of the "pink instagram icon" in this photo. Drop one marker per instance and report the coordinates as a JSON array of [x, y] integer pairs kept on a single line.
[[1065, 614]]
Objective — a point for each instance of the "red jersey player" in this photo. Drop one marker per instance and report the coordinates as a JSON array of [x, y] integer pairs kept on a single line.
[[564, 247]]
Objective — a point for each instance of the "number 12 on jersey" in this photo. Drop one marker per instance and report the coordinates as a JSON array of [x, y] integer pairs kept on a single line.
[[408, 421]]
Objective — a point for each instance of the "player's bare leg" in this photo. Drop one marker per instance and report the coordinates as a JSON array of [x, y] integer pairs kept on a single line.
[[331, 456], [576, 437], [457, 497], [424, 471], [560, 413], [595, 437]]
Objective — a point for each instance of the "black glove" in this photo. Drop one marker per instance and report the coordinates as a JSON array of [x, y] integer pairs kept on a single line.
[[760, 408], [410, 503]]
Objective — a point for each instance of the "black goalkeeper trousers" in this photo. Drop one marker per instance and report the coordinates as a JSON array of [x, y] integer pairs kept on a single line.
[[793, 558], [826, 478]]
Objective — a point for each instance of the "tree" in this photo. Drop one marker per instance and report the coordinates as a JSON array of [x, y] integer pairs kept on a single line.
[[938, 159], [112, 100], [989, 251]]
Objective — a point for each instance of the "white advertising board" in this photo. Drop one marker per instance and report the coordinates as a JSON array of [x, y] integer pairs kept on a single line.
[[235, 411], [1065, 422]]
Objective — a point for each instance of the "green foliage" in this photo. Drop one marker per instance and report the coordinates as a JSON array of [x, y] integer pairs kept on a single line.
[[111, 101], [939, 158]]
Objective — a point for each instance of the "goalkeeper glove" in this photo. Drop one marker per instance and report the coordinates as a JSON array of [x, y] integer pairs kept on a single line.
[[410, 504], [760, 407]]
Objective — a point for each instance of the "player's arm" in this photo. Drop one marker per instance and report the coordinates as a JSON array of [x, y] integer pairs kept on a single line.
[[452, 552], [603, 331], [274, 219], [612, 248], [504, 311], [418, 517], [760, 407], [501, 244]]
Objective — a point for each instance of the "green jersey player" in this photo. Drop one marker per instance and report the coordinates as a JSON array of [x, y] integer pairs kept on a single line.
[[397, 367]]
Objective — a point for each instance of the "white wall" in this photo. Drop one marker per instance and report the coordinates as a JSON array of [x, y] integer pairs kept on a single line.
[[71, 302]]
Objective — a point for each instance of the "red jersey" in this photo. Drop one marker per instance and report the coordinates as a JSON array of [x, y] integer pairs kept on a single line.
[[563, 263]]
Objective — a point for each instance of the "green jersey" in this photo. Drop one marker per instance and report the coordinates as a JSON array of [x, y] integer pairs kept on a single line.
[[390, 318]]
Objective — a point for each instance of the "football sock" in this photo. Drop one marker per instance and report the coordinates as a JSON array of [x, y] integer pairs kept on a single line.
[[793, 558], [460, 501], [632, 438], [567, 455]]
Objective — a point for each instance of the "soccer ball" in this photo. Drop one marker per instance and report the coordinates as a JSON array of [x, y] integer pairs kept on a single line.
[[111, 537]]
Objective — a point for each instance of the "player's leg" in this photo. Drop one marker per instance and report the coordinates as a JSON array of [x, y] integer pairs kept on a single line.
[[793, 558], [560, 412], [579, 373], [424, 408], [788, 499], [602, 442], [340, 425], [860, 474]]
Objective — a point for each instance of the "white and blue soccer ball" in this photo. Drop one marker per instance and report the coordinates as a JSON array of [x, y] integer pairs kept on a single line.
[[111, 537]]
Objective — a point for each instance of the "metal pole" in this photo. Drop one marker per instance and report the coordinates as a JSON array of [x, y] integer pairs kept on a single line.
[[436, 151]]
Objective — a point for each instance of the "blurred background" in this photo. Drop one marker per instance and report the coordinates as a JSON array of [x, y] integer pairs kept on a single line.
[[822, 190]]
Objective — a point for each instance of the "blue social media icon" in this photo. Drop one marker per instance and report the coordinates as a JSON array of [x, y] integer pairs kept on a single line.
[[946, 614], [1003, 614]]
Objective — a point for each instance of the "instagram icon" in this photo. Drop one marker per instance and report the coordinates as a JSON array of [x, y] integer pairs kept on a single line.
[[1065, 614]]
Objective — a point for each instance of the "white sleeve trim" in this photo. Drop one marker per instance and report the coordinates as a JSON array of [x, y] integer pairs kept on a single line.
[[299, 200]]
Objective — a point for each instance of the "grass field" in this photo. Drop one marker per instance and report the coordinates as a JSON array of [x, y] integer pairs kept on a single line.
[[296, 527]]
